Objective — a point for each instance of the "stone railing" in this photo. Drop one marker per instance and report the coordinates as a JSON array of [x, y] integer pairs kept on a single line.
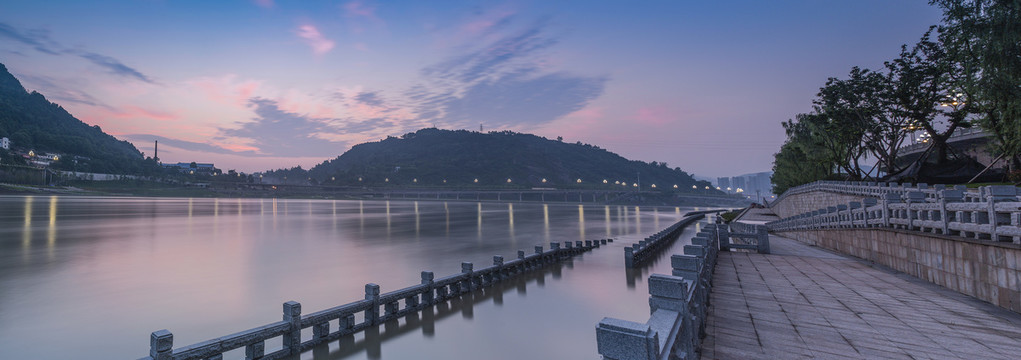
[[878, 190], [678, 303], [415, 298], [993, 214], [643, 249], [740, 233]]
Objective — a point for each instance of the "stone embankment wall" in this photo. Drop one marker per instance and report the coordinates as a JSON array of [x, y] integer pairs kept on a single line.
[[795, 204], [986, 270]]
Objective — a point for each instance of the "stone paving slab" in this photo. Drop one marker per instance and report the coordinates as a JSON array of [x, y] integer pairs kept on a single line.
[[803, 302]]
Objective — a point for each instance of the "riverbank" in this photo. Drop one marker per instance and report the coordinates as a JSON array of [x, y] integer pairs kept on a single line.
[[150, 189]]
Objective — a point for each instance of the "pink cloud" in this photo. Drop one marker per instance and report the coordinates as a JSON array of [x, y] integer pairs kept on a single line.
[[359, 8], [225, 91], [268, 4], [320, 44], [656, 116]]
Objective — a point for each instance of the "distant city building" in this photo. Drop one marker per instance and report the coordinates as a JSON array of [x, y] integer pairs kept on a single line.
[[5, 143], [755, 186], [737, 182]]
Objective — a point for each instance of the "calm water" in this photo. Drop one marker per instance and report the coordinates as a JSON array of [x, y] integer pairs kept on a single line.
[[91, 277]]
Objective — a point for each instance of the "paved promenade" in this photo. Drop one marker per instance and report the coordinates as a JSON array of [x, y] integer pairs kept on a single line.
[[805, 303]]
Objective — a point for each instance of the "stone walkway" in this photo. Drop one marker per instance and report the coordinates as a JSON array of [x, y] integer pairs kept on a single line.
[[805, 303]]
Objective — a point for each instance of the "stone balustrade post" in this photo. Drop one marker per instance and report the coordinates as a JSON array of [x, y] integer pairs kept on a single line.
[[629, 257], [994, 194], [292, 339], [670, 292], [948, 196], [762, 238], [889, 198], [626, 340], [372, 313], [469, 284], [842, 215], [498, 262], [868, 203], [914, 197], [852, 207], [161, 345], [427, 280]]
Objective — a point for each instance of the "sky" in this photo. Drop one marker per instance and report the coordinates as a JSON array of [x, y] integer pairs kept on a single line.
[[254, 85]]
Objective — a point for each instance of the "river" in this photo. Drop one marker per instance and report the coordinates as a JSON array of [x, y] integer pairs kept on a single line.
[[91, 277]]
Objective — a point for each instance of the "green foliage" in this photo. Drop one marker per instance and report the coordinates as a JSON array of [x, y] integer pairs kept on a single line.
[[37, 124], [431, 156], [802, 158], [985, 37]]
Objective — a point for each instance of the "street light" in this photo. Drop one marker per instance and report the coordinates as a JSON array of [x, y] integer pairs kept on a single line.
[[635, 185], [414, 180], [694, 187], [476, 180], [579, 181], [543, 180], [605, 182], [675, 186], [653, 186], [508, 181]]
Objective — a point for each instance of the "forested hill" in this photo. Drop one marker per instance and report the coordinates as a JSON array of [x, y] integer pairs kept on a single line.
[[431, 156], [34, 123]]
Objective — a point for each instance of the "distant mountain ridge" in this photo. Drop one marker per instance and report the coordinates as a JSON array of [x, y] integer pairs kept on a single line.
[[434, 157], [33, 122]]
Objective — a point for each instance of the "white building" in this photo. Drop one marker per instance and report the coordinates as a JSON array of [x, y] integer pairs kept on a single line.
[[5, 143]]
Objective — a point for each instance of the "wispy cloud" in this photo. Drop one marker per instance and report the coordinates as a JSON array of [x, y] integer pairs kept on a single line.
[[113, 66], [59, 92], [310, 34], [37, 39], [276, 132], [268, 4], [369, 98], [502, 84], [40, 41], [187, 145]]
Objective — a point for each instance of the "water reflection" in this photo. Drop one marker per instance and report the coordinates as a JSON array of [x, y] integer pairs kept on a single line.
[[51, 229], [214, 270], [371, 339], [581, 222], [510, 222], [26, 233]]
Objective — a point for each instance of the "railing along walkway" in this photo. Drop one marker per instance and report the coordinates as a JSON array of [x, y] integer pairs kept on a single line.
[[994, 214]]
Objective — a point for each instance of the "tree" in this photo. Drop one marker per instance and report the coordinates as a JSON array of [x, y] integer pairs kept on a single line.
[[985, 36], [801, 159]]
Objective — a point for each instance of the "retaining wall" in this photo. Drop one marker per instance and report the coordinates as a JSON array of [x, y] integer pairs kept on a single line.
[[799, 203]]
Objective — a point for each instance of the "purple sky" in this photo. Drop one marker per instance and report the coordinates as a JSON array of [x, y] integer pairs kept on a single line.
[[255, 85]]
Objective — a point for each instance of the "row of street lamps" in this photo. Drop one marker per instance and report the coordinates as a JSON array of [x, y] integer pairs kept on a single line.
[[544, 181]]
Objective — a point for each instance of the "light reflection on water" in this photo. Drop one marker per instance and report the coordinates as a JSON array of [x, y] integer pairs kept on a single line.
[[91, 277]]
